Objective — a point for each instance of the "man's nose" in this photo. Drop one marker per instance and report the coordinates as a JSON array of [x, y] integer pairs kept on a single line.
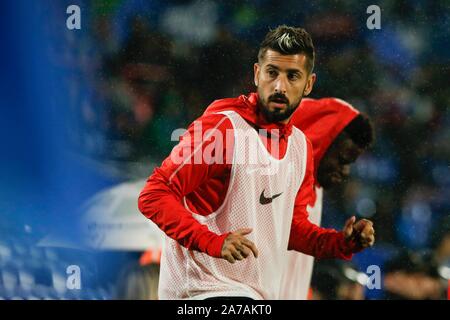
[[345, 170], [280, 85]]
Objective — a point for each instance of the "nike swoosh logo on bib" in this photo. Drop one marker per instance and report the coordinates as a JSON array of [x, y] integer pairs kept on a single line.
[[263, 200]]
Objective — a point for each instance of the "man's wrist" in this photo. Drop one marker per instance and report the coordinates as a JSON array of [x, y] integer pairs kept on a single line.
[[214, 246]]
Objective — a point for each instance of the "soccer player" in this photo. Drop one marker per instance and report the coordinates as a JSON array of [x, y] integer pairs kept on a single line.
[[339, 134], [232, 195]]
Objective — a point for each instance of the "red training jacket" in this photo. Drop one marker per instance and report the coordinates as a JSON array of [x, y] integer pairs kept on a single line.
[[203, 186]]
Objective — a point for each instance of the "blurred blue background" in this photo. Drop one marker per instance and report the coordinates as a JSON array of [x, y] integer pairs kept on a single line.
[[83, 110]]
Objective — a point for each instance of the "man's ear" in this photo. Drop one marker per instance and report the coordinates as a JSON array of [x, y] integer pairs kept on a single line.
[[256, 70], [309, 84]]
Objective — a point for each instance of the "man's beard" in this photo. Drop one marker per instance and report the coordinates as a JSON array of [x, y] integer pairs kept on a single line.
[[278, 115]]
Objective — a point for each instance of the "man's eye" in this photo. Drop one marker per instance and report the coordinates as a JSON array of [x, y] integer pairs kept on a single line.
[[343, 161], [272, 73], [293, 76]]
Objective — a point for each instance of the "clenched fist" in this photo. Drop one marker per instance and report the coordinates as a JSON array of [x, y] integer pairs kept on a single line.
[[362, 232], [238, 247]]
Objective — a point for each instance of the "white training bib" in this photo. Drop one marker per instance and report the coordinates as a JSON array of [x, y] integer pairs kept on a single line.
[[260, 196], [297, 277]]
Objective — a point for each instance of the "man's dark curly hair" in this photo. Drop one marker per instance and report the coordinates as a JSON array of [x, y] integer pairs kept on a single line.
[[361, 131]]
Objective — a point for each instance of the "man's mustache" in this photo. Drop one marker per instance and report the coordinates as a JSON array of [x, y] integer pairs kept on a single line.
[[278, 98]]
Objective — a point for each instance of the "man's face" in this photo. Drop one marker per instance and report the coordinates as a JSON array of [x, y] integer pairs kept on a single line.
[[334, 168], [282, 81]]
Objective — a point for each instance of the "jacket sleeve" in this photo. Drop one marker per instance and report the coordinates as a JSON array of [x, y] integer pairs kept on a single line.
[[181, 173], [309, 238]]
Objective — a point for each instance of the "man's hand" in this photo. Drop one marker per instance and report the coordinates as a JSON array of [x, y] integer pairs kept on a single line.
[[362, 232], [238, 247]]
